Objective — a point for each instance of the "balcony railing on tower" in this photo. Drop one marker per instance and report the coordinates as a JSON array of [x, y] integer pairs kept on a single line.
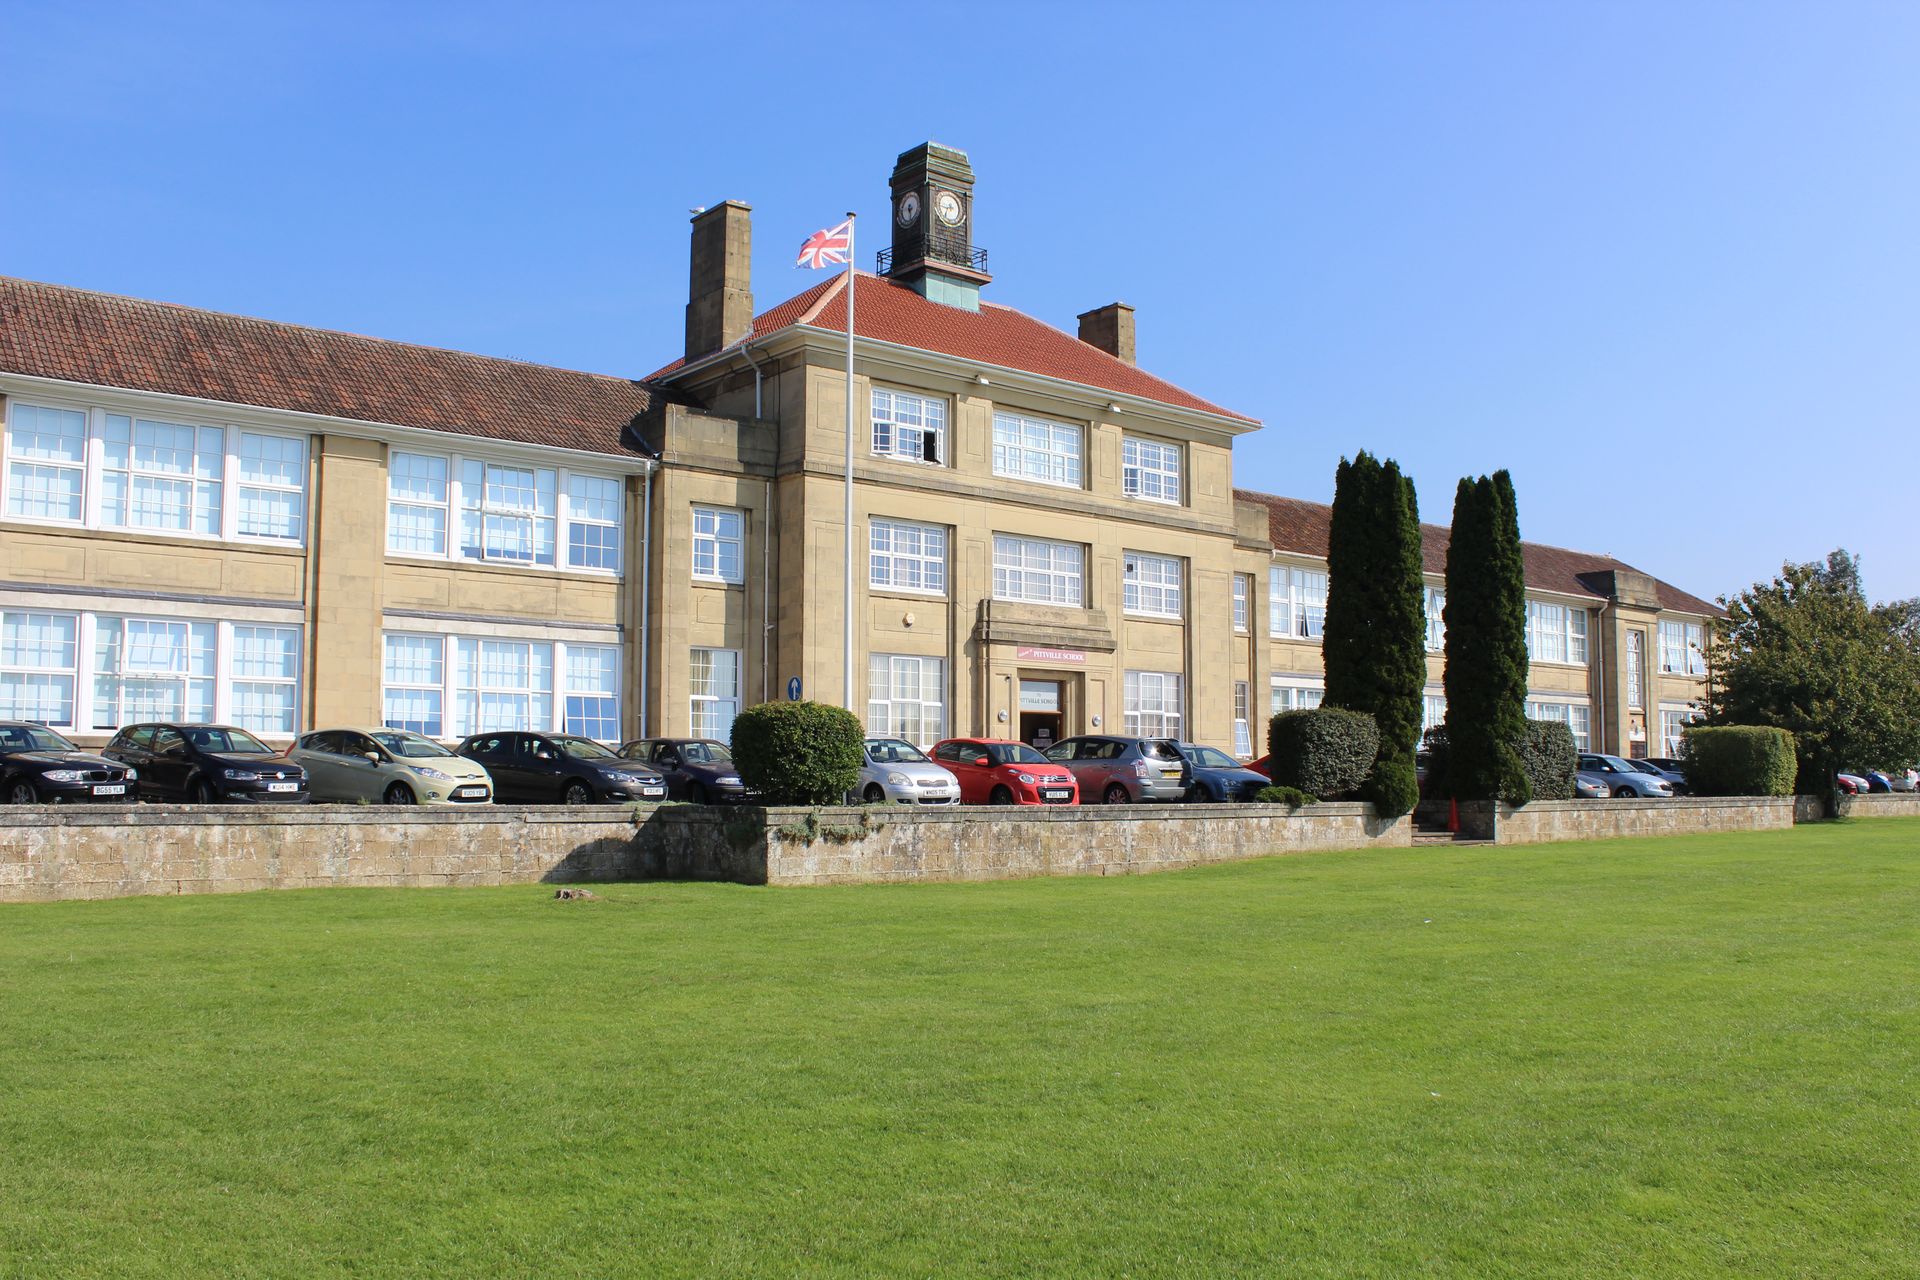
[[976, 259]]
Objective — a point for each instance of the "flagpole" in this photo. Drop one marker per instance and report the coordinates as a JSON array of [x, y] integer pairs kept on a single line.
[[846, 620]]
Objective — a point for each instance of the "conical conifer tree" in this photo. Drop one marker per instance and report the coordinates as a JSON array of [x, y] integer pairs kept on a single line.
[[1486, 673]]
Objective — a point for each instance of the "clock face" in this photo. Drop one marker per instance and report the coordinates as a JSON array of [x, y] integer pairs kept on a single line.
[[947, 205], [908, 211]]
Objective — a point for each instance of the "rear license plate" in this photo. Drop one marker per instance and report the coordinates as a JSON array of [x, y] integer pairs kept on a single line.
[[111, 789], [1054, 793], [470, 793], [283, 786], [653, 791]]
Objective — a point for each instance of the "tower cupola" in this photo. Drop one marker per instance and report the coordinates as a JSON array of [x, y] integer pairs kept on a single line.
[[933, 251]]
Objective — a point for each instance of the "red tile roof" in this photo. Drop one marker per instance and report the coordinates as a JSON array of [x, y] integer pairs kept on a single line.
[[1302, 528], [50, 331], [995, 335]]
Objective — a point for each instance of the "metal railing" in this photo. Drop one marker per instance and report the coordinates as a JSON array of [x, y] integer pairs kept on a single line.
[[976, 259]]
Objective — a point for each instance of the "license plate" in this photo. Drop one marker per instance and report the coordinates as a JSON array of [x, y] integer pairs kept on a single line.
[[1054, 793], [283, 786], [653, 791], [111, 789], [469, 793]]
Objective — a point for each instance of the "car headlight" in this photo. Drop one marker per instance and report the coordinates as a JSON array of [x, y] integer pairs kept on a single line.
[[426, 772], [899, 780], [242, 775], [62, 775], [133, 775], [1027, 778], [731, 780]]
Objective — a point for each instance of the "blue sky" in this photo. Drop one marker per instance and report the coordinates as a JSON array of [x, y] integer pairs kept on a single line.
[[1660, 260]]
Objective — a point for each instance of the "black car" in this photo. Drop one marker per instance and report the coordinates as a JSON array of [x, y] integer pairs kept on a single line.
[[559, 768], [696, 769], [207, 764], [38, 766], [1215, 777]]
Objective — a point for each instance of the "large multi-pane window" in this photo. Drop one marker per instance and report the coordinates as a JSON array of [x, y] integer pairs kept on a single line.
[[471, 509], [1433, 710], [907, 557], [1683, 648], [1556, 633], [1296, 603], [1242, 601], [1035, 449], [1152, 585], [909, 426], [1036, 571], [1152, 705], [1577, 716], [452, 686], [714, 689], [717, 541], [1674, 720], [906, 698], [1436, 606], [1636, 677], [1150, 469], [107, 470], [1242, 730], [1293, 693], [87, 671]]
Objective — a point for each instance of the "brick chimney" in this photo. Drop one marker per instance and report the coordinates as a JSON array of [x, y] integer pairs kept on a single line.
[[1109, 328], [720, 282]]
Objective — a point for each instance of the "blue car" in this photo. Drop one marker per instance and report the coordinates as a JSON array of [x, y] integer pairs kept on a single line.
[[1214, 777]]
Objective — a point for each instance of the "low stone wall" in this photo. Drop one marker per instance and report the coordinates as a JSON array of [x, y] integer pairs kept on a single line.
[[1898, 804], [1548, 820]]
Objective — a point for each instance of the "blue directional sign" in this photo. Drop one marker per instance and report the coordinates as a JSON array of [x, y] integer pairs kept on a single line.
[[793, 689]]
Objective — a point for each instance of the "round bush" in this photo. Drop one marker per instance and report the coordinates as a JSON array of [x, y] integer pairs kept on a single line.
[[1549, 757], [1326, 752], [798, 752], [1739, 760]]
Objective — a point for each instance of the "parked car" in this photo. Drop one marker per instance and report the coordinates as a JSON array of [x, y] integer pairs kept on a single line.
[[1000, 771], [562, 768], [1850, 784], [1904, 780], [1590, 786], [696, 769], [388, 766], [1623, 779], [1214, 776], [898, 772], [207, 764], [1877, 781], [1123, 770], [39, 766], [1674, 779]]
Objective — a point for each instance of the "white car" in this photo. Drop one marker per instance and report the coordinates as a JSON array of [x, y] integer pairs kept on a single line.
[[897, 772]]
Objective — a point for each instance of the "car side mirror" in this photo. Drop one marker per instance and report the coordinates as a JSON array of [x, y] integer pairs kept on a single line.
[[372, 757], [981, 762]]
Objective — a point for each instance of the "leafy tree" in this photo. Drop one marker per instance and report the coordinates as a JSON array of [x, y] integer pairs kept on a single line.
[[1374, 647], [1807, 653], [1486, 615]]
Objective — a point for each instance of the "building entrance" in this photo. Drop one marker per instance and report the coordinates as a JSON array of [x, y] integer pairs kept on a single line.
[[1041, 720]]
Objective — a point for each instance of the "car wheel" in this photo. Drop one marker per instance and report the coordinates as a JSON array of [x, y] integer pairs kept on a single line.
[[874, 794], [20, 791], [696, 794], [1623, 793], [202, 792], [577, 793], [400, 793], [1001, 796], [1116, 794]]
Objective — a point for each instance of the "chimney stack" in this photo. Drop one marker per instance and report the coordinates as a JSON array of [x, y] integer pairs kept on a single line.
[[720, 282], [1109, 328]]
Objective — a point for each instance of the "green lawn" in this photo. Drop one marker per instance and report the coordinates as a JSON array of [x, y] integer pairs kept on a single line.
[[1641, 1058]]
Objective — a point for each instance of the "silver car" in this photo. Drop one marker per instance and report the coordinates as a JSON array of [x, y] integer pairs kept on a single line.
[[1622, 779], [897, 772], [1123, 770]]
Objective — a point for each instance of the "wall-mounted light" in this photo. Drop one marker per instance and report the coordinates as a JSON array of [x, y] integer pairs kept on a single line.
[[981, 378], [1002, 717], [1113, 406], [1096, 722], [906, 619]]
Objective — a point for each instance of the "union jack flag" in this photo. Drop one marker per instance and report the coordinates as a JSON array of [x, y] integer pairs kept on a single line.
[[827, 248]]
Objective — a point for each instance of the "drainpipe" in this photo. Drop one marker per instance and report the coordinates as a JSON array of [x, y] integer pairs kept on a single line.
[[646, 587], [766, 538]]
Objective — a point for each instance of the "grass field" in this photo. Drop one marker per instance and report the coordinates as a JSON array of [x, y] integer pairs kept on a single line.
[[1684, 1057]]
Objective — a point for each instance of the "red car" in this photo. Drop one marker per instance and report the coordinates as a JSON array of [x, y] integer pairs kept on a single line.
[[1263, 766], [998, 771]]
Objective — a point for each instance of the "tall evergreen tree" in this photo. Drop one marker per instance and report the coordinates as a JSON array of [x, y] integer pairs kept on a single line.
[[1374, 645], [1486, 615]]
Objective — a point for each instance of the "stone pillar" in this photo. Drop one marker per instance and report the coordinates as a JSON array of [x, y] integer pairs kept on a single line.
[[349, 551]]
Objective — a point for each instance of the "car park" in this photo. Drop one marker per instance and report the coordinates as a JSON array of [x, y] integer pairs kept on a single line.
[[1215, 777], [207, 764], [1672, 777], [898, 772], [1001, 771], [39, 766], [560, 768], [700, 770], [387, 766], [1623, 779], [1121, 770]]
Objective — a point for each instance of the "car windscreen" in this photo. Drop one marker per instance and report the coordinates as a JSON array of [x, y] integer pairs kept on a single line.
[[893, 751], [1644, 766], [410, 746], [228, 742], [1211, 758], [33, 737], [581, 748], [1013, 753], [705, 753]]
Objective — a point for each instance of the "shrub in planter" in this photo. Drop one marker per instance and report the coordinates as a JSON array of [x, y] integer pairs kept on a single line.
[[1548, 755], [798, 752], [1292, 797], [1325, 752], [1739, 760]]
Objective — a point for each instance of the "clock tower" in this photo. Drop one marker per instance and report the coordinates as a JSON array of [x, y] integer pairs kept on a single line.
[[933, 252]]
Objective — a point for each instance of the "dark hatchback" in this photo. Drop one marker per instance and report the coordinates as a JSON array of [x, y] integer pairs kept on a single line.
[[1216, 777], [207, 764], [559, 768], [38, 766], [697, 769]]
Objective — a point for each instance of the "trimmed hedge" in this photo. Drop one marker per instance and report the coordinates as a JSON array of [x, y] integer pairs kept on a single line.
[[1739, 760], [1324, 751], [1292, 797], [798, 752], [1549, 756]]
